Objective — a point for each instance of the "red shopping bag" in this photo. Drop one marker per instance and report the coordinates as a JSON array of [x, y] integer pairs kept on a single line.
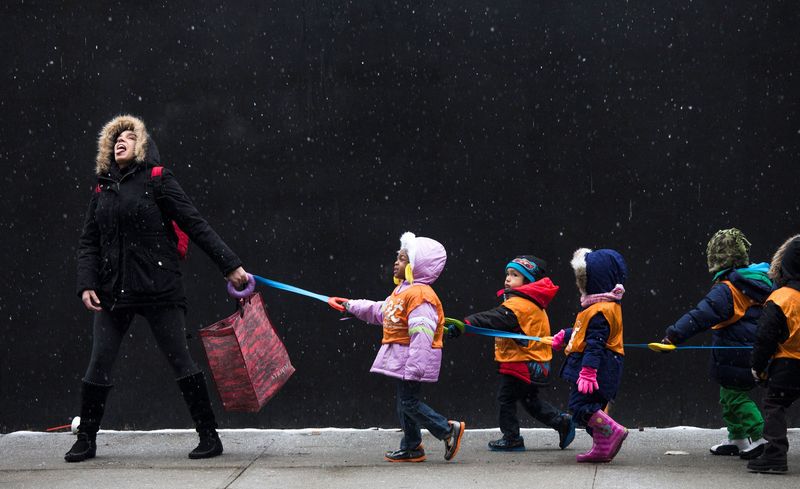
[[247, 358]]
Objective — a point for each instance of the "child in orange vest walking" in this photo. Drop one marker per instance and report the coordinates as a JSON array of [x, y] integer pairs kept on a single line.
[[523, 365], [594, 350], [776, 355], [731, 310], [411, 349]]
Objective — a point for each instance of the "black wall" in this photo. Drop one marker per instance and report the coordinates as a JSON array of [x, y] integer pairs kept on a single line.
[[312, 134]]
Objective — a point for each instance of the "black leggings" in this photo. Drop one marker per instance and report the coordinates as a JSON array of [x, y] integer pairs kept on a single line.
[[169, 329]]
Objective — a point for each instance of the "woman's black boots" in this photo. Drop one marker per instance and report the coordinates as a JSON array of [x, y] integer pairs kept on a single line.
[[195, 394], [93, 404]]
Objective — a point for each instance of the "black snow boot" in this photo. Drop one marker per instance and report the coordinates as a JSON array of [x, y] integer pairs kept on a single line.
[[507, 445], [195, 393], [767, 465], [93, 404]]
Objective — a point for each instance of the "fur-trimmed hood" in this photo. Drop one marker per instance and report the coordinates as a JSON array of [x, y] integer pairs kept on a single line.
[[785, 264], [598, 272], [426, 258], [144, 152]]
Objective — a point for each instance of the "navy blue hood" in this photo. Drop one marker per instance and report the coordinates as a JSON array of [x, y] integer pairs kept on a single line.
[[599, 271]]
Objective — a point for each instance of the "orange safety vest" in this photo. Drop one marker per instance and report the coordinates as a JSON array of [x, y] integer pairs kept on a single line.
[[534, 322], [788, 300], [741, 303], [613, 314], [397, 307]]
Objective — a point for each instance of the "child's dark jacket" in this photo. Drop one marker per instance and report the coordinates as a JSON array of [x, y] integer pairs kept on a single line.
[[728, 367], [779, 328]]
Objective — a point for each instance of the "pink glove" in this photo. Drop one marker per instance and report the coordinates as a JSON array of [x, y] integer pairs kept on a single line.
[[587, 380], [558, 340]]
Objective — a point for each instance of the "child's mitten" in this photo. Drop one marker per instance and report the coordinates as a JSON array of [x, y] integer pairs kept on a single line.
[[587, 380], [558, 340]]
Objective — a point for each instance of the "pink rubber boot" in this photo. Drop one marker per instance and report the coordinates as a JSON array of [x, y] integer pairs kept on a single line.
[[607, 438]]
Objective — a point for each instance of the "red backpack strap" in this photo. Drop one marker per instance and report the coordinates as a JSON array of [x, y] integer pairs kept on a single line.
[[183, 238], [156, 173]]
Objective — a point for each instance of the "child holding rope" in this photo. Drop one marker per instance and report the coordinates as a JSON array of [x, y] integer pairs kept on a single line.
[[594, 350], [411, 350], [731, 310], [523, 365]]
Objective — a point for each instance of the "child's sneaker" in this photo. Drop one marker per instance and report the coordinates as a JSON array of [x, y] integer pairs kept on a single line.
[[754, 450], [765, 465], [408, 455], [453, 442], [566, 430], [730, 447], [506, 445]]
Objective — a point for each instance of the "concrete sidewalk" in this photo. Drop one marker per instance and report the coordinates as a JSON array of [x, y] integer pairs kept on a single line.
[[333, 458]]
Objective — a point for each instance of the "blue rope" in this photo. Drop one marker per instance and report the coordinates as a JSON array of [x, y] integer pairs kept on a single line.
[[503, 334], [645, 345], [474, 329], [290, 288], [498, 333]]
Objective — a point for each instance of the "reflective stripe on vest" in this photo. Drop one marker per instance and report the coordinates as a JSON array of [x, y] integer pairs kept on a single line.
[[397, 307], [613, 314]]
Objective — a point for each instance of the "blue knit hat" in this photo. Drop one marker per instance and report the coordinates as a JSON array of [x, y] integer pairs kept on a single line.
[[531, 267]]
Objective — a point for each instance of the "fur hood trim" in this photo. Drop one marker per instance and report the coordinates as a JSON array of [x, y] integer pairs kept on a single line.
[[777, 260], [578, 263], [407, 244], [108, 136]]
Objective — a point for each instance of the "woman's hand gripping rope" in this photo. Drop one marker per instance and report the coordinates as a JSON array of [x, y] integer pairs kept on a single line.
[[337, 303]]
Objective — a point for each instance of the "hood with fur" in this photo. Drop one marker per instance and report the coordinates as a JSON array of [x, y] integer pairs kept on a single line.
[[785, 266], [145, 150], [426, 258], [598, 272]]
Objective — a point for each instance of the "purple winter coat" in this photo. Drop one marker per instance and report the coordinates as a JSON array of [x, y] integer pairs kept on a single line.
[[417, 361]]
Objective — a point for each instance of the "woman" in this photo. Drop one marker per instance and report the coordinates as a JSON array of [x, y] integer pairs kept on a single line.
[[128, 265]]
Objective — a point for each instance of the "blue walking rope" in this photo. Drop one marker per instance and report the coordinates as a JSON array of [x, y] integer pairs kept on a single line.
[[474, 329], [290, 288], [498, 334], [700, 347]]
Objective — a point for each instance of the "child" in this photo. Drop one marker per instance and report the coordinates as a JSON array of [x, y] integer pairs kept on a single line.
[[776, 355], [731, 310], [524, 366], [411, 350], [594, 350]]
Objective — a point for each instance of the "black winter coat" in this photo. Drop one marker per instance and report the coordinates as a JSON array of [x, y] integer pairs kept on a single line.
[[773, 327], [127, 252]]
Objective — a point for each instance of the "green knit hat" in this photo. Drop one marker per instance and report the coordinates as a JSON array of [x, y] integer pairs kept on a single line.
[[728, 248]]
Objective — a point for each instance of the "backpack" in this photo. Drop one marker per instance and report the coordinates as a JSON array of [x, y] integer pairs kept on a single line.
[[183, 238]]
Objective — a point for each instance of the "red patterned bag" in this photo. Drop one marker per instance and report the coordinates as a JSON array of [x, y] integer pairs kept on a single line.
[[247, 358]]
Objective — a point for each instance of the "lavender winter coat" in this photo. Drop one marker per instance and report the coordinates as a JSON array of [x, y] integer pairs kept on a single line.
[[417, 361]]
